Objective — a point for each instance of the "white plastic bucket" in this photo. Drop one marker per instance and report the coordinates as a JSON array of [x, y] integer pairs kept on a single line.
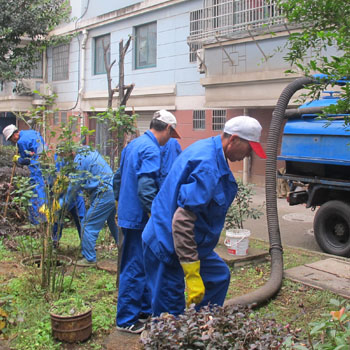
[[237, 241]]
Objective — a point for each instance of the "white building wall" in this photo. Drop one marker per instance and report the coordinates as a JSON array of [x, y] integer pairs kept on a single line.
[[173, 67]]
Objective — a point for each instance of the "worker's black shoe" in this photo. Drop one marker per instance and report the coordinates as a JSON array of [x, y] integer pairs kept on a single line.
[[135, 328], [143, 318]]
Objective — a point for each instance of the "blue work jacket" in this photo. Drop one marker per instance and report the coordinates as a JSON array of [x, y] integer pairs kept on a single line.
[[200, 181], [94, 175], [169, 153], [30, 145], [139, 158]]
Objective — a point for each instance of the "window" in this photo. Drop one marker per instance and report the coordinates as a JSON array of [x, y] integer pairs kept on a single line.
[[64, 117], [56, 118], [37, 70], [199, 120], [219, 119], [101, 43], [60, 62], [195, 28], [73, 121], [146, 45]]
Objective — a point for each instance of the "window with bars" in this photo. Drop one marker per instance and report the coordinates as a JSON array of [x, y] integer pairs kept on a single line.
[[195, 27], [37, 70], [64, 117], [146, 45], [73, 124], [199, 120], [60, 62], [219, 119], [56, 118], [101, 42]]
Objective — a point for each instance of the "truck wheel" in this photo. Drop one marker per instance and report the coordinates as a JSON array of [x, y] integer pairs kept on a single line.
[[332, 228]]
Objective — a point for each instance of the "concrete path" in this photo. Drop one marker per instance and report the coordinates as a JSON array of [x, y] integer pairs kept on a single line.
[[296, 223]]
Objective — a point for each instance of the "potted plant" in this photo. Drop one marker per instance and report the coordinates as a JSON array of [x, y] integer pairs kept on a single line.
[[71, 319], [237, 238]]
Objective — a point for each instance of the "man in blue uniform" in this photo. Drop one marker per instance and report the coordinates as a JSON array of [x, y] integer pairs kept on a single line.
[[30, 145], [136, 183], [188, 215], [168, 154], [95, 177]]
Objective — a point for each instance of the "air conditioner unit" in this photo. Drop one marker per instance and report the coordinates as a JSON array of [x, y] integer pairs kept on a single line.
[[201, 67]]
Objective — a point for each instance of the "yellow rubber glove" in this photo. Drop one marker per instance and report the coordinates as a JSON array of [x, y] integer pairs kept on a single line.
[[194, 283], [15, 158], [50, 214]]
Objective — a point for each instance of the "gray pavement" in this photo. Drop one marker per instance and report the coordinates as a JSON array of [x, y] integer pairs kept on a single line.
[[295, 223]]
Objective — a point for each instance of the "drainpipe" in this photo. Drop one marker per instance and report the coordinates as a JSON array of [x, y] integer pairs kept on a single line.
[[82, 76], [246, 161]]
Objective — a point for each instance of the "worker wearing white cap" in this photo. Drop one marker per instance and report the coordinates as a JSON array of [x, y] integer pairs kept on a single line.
[[136, 183], [30, 145], [188, 215]]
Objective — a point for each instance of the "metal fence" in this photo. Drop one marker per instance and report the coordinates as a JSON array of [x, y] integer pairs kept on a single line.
[[226, 17]]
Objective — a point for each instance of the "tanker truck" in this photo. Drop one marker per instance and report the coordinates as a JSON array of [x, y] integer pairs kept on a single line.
[[316, 152]]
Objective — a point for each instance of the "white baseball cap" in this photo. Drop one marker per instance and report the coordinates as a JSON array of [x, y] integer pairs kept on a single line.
[[248, 129], [9, 131], [168, 118]]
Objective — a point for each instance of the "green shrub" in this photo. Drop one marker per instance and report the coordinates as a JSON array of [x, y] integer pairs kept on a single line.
[[241, 208], [214, 328], [332, 332]]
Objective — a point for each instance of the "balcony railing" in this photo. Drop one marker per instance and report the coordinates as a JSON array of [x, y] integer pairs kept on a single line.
[[227, 17]]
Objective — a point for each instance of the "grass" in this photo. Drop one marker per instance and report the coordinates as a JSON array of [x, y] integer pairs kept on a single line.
[[295, 304], [27, 306], [28, 323]]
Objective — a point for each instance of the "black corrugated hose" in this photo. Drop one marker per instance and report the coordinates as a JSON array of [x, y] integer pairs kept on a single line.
[[274, 283]]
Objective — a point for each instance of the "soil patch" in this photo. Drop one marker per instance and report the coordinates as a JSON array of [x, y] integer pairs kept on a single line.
[[108, 265], [123, 341], [10, 269]]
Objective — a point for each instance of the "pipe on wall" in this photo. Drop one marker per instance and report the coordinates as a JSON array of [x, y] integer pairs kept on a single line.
[[82, 75], [246, 161]]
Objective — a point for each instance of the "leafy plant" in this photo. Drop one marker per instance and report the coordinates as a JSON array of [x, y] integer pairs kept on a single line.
[[55, 185], [214, 328], [241, 209], [320, 45], [332, 332], [34, 20], [119, 124], [22, 192], [72, 306]]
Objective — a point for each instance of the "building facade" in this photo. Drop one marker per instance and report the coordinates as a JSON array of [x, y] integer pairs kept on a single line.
[[204, 60]]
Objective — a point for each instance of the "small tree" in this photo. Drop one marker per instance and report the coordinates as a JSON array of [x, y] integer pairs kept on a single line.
[[321, 44], [241, 209], [56, 184], [25, 27]]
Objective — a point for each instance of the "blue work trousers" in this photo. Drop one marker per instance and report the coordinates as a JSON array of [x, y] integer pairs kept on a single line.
[[133, 297], [102, 209], [167, 286], [38, 199]]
